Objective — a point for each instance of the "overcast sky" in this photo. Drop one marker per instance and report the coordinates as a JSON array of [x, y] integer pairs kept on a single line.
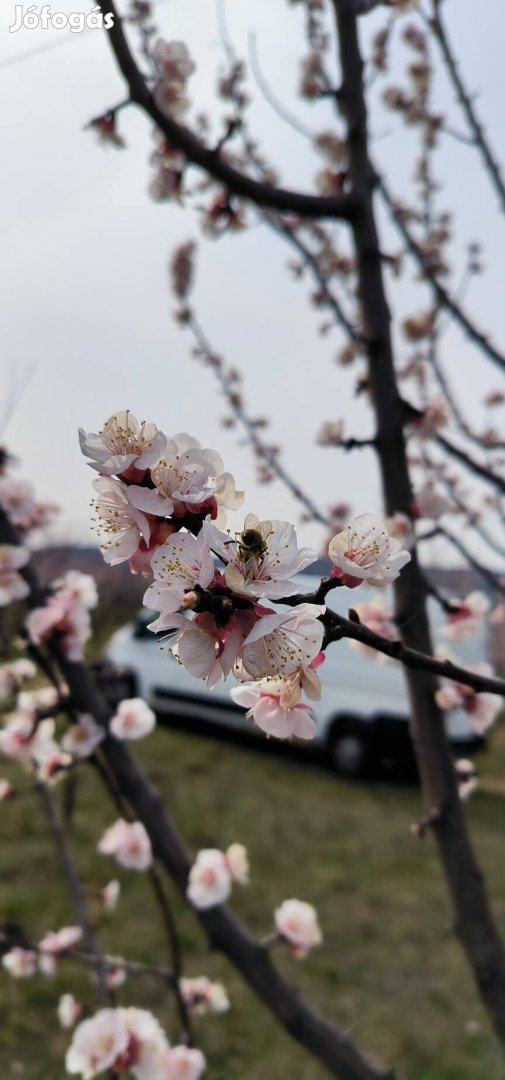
[[86, 325]]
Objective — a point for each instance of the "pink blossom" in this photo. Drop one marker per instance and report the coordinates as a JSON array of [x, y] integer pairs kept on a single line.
[[147, 1046], [129, 843], [82, 739], [59, 941], [202, 996], [183, 1063], [133, 720], [365, 552], [12, 585], [430, 502], [435, 415], [212, 874], [297, 925], [278, 644], [267, 572], [25, 740], [206, 650], [123, 445], [274, 704], [174, 67], [44, 697], [69, 1011], [402, 528], [65, 615], [482, 708], [110, 894], [56, 943], [21, 963], [116, 974], [377, 616], [51, 763], [468, 615]]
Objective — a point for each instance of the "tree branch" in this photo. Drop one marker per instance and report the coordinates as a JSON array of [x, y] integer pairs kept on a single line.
[[473, 918], [74, 886], [464, 98], [211, 161], [444, 299], [470, 463]]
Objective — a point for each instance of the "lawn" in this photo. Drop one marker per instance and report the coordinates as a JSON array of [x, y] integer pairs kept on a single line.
[[390, 971]]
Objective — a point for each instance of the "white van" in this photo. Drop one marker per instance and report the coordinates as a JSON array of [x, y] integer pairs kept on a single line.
[[362, 717]]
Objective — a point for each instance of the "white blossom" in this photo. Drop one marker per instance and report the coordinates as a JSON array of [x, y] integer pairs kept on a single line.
[[21, 963], [123, 444], [69, 1011], [212, 874], [133, 719], [365, 552], [97, 1044], [129, 843], [268, 569], [297, 925], [120, 525], [182, 562], [202, 996], [278, 644], [82, 739]]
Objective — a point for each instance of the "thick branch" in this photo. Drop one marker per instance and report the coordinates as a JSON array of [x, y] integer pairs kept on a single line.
[[211, 161], [473, 919]]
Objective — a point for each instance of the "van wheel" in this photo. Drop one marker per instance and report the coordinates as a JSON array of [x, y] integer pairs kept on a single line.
[[349, 753]]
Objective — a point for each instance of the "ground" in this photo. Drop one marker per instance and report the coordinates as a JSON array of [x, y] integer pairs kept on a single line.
[[390, 971]]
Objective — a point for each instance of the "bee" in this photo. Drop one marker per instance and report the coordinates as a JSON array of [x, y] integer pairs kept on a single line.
[[252, 541]]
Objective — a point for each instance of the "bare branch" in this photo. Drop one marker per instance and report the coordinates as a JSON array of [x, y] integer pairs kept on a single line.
[[263, 451], [444, 299], [465, 100], [211, 161], [484, 473], [74, 886]]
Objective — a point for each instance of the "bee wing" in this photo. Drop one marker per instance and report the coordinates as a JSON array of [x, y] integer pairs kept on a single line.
[[251, 522], [264, 528]]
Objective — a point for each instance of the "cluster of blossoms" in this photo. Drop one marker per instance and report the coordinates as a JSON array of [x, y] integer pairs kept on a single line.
[[212, 875], [129, 1040], [18, 501], [27, 734], [149, 485], [210, 882], [160, 505], [65, 618], [22, 961]]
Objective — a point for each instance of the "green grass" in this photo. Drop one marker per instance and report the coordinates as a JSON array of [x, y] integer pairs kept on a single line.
[[390, 972]]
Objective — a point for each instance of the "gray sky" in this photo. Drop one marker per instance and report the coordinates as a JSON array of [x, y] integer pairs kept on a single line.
[[87, 323]]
